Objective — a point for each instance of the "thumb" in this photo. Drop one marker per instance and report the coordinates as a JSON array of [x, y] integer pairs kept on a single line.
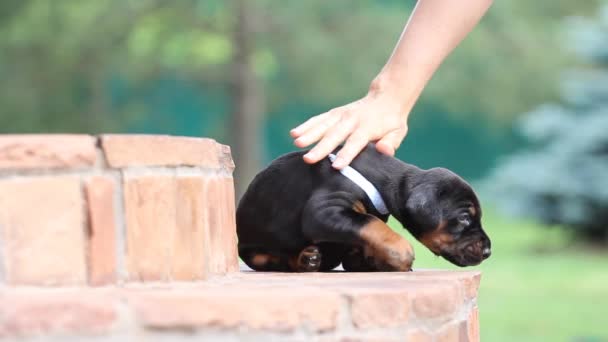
[[391, 141]]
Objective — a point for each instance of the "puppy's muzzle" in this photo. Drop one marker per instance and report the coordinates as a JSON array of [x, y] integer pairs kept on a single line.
[[469, 253]]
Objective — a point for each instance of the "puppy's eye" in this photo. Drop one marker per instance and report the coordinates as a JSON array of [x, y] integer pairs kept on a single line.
[[464, 219]]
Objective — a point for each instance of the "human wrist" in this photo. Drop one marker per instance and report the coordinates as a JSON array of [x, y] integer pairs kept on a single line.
[[394, 91]]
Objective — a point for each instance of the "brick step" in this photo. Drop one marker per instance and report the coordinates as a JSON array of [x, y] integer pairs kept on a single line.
[[79, 209], [423, 305]]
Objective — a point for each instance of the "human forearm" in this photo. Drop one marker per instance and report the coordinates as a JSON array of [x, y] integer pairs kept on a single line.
[[435, 28]]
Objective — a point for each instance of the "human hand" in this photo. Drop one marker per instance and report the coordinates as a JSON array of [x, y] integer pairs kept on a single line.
[[378, 116], [435, 28]]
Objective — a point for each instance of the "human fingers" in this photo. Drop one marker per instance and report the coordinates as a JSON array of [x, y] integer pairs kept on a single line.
[[391, 141], [334, 137], [298, 131], [353, 146], [316, 131]]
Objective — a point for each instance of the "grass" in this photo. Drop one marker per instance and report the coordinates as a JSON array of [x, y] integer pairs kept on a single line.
[[537, 286]]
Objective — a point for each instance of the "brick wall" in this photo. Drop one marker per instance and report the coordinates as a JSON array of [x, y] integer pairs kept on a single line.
[[78, 209], [132, 238], [247, 306]]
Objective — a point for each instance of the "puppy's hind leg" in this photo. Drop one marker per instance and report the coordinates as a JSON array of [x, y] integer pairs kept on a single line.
[[308, 260], [265, 260]]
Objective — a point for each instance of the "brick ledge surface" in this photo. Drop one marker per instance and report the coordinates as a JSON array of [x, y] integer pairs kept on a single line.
[[424, 305]]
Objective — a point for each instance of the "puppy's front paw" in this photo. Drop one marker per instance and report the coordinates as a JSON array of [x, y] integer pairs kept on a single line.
[[396, 255], [389, 251]]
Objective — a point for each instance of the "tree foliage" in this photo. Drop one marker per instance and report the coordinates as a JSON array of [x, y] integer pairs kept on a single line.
[[95, 66], [57, 58], [563, 178]]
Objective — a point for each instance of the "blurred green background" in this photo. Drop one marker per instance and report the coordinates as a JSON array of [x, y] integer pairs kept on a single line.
[[519, 109]]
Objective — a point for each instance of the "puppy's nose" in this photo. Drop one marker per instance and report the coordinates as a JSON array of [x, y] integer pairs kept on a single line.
[[486, 252]]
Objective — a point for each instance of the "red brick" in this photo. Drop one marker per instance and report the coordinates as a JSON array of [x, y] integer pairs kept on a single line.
[[43, 231], [276, 309], [275, 303], [379, 309], [226, 157], [469, 280], [222, 225], [360, 339], [450, 333], [28, 313], [188, 252], [473, 325], [454, 332], [24, 152], [102, 230], [418, 336], [471, 286], [161, 150], [150, 215], [437, 300], [230, 239], [448, 276], [169, 231]]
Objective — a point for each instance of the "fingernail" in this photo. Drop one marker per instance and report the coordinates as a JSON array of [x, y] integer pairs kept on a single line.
[[309, 155], [338, 163]]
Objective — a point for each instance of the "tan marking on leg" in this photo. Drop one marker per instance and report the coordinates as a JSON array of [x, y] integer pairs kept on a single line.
[[262, 259], [438, 239], [359, 207], [389, 250], [472, 211]]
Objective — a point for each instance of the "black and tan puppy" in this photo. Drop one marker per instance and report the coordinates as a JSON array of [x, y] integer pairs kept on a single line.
[[298, 217]]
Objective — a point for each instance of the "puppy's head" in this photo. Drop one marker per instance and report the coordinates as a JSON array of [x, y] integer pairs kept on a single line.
[[443, 213]]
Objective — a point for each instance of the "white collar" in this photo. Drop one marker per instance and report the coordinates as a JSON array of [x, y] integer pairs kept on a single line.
[[365, 185]]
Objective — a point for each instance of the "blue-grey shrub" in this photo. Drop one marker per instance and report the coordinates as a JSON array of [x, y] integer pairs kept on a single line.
[[563, 176]]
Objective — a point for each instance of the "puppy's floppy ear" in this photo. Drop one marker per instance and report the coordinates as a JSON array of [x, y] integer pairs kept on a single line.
[[423, 210]]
